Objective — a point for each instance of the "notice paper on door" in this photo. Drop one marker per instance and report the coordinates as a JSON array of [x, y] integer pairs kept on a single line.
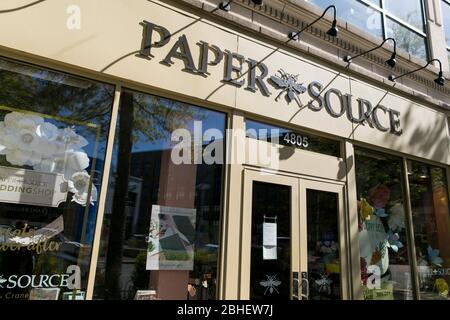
[[269, 253], [269, 241], [269, 234]]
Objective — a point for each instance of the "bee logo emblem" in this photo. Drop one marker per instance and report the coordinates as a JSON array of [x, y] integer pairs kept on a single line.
[[324, 284], [288, 84], [2, 281], [270, 284]]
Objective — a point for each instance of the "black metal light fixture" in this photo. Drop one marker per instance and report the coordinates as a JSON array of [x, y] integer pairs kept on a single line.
[[440, 80], [226, 5], [333, 31], [390, 62]]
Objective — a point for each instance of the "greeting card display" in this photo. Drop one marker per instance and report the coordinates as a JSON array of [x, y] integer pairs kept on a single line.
[[171, 239]]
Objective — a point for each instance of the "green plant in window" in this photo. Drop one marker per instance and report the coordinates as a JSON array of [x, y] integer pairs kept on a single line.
[[150, 247], [176, 255], [441, 287], [140, 276], [202, 257]]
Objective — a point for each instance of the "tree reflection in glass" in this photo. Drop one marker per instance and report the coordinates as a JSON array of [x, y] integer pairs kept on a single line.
[[145, 179], [53, 127]]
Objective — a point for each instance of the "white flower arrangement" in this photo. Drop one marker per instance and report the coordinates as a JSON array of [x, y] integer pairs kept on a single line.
[[29, 140]]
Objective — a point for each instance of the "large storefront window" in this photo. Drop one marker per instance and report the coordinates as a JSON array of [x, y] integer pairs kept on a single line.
[[53, 133], [384, 260], [161, 229], [429, 202]]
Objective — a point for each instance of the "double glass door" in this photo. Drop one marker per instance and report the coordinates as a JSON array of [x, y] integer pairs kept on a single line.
[[294, 239]]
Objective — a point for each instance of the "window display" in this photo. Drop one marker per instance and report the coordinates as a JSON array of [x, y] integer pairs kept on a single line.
[[161, 225], [429, 201], [384, 260], [53, 133]]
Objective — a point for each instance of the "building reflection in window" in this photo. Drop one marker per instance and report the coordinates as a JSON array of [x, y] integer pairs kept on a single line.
[[399, 19], [429, 201], [160, 232], [357, 13]]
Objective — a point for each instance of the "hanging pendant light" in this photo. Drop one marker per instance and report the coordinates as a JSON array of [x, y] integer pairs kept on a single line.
[[333, 31], [390, 62]]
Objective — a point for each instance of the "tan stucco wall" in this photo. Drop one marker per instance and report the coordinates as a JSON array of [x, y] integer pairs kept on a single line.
[[110, 36]]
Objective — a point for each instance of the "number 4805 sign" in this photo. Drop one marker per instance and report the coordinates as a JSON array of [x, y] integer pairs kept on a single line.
[[295, 140]]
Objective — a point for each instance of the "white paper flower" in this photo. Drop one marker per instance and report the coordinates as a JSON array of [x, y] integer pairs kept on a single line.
[[47, 131], [3, 148], [23, 139], [19, 157], [397, 217], [77, 160], [19, 131], [82, 198], [16, 120], [72, 140], [67, 163], [79, 186], [79, 182], [55, 165], [49, 149]]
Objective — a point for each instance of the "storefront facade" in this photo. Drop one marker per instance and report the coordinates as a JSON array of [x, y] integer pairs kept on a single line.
[[174, 150]]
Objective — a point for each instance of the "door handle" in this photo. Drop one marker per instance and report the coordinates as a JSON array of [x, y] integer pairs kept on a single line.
[[300, 286], [295, 286], [304, 286]]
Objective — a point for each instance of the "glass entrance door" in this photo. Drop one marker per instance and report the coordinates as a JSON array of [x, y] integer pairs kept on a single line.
[[293, 239], [270, 274], [322, 241]]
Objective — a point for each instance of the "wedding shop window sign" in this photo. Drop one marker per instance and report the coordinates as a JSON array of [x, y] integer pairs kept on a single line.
[[260, 78], [54, 160]]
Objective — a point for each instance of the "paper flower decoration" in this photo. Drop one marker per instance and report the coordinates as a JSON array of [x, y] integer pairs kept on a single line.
[[421, 261], [72, 139], [376, 257], [328, 247], [380, 213], [21, 120], [366, 209], [380, 257], [19, 157], [27, 140], [2, 135], [433, 256], [79, 186], [396, 220], [393, 241], [363, 269], [442, 287], [379, 196]]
